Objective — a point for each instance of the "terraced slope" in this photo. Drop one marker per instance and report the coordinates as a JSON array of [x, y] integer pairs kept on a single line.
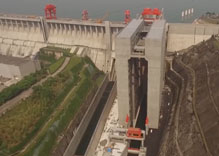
[[35, 126], [194, 130]]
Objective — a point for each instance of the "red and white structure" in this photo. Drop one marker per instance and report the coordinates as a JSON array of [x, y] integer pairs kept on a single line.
[[127, 16], [149, 15], [50, 11], [85, 15]]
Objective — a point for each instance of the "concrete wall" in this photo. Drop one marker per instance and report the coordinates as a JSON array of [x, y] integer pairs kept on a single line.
[[21, 29], [182, 36], [72, 34], [72, 147], [122, 70], [9, 71], [22, 36], [124, 44], [155, 51], [101, 123], [19, 48], [61, 31], [27, 68]]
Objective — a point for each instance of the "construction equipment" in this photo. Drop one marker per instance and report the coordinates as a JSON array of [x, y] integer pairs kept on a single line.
[[134, 133], [150, 15], [125, 135], [127, 16], [50, 11], [103, 18], [85, 15]]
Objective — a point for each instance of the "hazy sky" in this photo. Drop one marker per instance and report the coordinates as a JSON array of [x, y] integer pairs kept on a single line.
[[97, 8]]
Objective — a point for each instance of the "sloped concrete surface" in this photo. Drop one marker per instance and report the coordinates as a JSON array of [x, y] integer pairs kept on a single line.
[[196, 114]]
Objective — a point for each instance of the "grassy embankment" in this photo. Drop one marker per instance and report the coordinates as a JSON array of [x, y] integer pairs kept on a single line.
[[15, 89], [26, 122], [48, 59], [52, 64]]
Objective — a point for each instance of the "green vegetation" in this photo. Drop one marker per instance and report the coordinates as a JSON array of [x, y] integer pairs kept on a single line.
[[55, 66], [55, 103], [48, 60], [216, 44], [15, 89], [65, 51]]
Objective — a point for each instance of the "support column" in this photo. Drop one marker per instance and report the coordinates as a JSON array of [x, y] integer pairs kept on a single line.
[[97, 31], [155, 51], [85, 31], [108, 39], [80, 31], [123, 49], [133, 110], [22, 25], [122, 71], [33, 26], [12, 26], [70, 29], [123, 88], [17, 26], [44, 29]]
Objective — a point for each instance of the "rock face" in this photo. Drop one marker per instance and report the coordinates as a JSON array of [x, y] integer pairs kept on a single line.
[[194, 127]]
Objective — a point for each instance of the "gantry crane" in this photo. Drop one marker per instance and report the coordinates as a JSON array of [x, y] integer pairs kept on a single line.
[[103, 18], [50, 11]]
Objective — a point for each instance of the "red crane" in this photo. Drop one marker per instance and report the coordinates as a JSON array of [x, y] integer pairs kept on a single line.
[[85, 15], [50, 11], [150, 15], [127, 16]]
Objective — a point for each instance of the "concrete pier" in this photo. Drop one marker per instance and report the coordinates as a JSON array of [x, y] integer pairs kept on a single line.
[[155, 48], [140, 70]]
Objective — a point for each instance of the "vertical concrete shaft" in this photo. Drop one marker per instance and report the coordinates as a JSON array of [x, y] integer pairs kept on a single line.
[[155, 51], [123, 47], [128, 76], [133, 90], [122, 79]]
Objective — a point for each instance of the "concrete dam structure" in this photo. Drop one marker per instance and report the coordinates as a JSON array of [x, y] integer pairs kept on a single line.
[[22, 36], [136, 49], [183, 35]]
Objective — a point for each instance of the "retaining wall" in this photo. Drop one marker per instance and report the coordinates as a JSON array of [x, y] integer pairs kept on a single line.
[[181, 36], [101, 123], [72, 147]]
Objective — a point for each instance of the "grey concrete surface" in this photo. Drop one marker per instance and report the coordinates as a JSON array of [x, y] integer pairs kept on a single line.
[[155, 51], [13, 67], [101, 123], [181, 36], [74, 143], [123, 51]]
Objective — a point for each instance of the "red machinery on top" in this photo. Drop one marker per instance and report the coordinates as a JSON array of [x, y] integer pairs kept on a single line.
[[50, 11], [150, 15], [85, 15], [127, 16]]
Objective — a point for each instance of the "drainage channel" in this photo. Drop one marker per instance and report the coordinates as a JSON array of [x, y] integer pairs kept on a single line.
[[93, 123]]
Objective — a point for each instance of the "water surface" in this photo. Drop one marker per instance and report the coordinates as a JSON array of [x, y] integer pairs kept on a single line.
[[115, 8]]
